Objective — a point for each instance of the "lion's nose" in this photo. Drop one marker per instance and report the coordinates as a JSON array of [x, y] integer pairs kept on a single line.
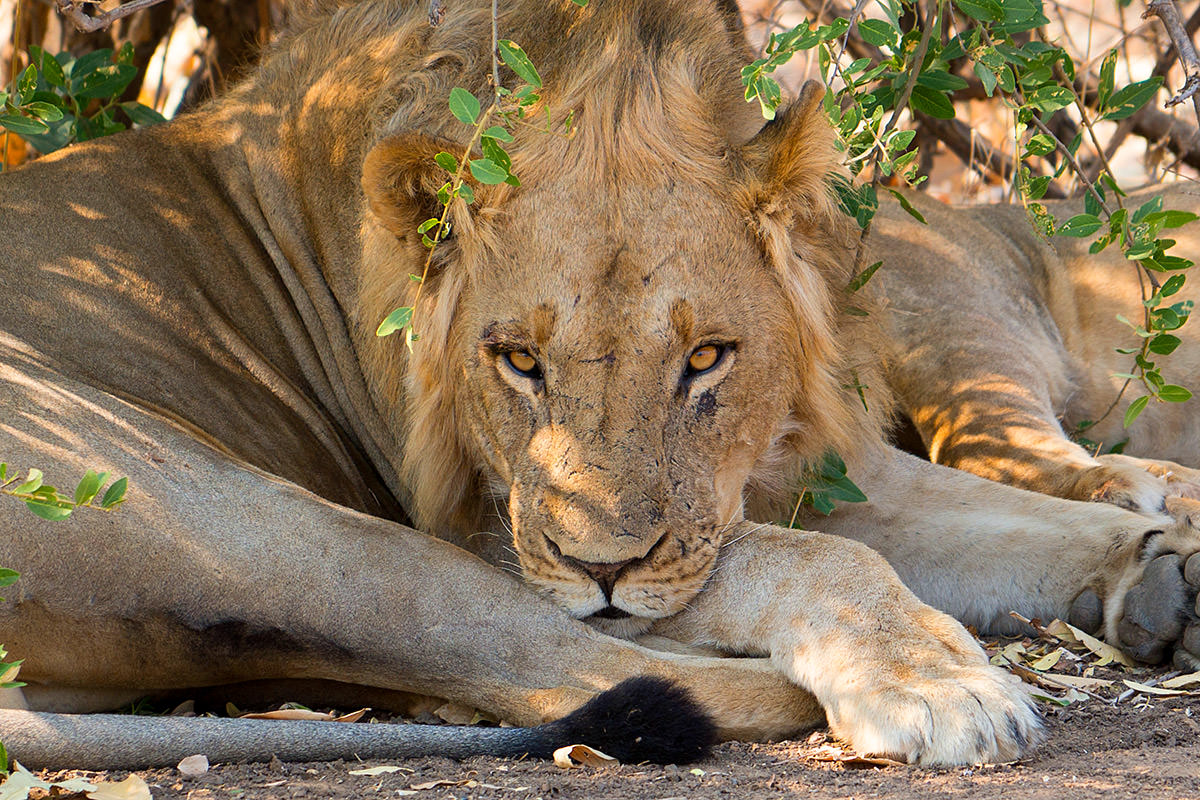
[[603, 574]]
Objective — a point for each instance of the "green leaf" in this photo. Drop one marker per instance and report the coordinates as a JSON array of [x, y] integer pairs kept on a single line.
[[1174, 394], [1151, 206], [87, 488], [142, 115], [1136, 408], [941, 80], [125, 54], [860, 280], [512, 55], [3, 473], [907, 206], [48, 510], [1050, 98], [464, 106], [1173, 285], [494, 152], [7, 578], [1172, 219], [983, 10], [580, 3], [466, 193], [878, 32], [497, 132], [33, 482], [1040, 145], [425, 226], [398, 319], [1132, 97], [23, 126], [1108, 71], [106, 82], [487, 172], [931, 102], [1164, 344], [52, 71], [44, 111], [447, 162], [986, 77], [1079, 226], [88, 63], [115, 493], [26, 85]]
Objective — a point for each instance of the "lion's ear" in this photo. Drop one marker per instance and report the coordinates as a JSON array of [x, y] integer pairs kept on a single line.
[[401, 180], [793, 156]]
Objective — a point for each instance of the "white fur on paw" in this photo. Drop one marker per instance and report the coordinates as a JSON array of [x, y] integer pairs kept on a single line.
[[968, 714]]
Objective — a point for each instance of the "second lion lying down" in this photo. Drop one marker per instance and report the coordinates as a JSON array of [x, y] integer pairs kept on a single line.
[[627, 361]]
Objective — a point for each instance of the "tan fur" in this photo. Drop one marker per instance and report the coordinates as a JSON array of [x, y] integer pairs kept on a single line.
[[214, 339]]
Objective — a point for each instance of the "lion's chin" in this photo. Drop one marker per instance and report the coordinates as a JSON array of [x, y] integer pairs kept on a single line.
[[626, 627]]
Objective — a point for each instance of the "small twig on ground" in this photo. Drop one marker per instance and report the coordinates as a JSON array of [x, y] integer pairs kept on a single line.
[[73, 11], [1168, 14]]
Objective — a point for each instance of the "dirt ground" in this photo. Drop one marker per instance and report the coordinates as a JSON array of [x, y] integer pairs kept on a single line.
[[1141, 746]]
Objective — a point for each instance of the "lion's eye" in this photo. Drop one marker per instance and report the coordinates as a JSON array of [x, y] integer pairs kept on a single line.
[[703, 359], [523, 364]]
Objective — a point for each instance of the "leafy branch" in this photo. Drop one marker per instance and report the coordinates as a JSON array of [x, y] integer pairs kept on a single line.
[[49, 503], [1008, 58]]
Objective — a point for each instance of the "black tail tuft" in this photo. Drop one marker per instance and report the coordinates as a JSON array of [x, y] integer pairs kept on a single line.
[[642, 719]]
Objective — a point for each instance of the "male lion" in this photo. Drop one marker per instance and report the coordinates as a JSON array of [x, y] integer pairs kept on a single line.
[[625, 360]]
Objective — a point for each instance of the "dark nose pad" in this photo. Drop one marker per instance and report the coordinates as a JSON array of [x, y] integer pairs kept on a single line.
[[603, 574]]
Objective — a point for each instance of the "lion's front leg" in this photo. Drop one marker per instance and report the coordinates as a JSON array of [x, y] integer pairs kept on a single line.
[[895, 676], [980, 550]]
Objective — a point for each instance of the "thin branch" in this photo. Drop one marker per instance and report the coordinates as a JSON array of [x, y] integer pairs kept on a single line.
[[85, 23], [1168, 14], [437, 13], [918, 61], [495, 50]]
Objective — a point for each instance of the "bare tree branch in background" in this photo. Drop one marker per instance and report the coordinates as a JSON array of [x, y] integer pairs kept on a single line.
[[88, 23], [1168, 15]]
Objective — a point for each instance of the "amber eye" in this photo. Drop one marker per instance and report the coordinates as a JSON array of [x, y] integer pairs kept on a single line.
[[704, 358], [523, 364]]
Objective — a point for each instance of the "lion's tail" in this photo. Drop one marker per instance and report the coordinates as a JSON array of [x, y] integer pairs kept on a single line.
[[641, 719]]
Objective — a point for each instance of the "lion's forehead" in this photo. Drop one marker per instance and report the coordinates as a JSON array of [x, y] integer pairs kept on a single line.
[[625, 298]]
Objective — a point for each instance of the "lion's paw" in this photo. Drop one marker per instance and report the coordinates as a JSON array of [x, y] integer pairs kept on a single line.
[[1158, 616], [1137, 484], [966, 714]]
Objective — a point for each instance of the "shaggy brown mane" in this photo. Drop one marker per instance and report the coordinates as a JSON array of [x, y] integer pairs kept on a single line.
[[654, 86]]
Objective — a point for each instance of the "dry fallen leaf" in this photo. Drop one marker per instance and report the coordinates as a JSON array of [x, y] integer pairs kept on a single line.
[[470, 784], [305, 714], [1191, 679], [1069, 633], [193, 766], [457, 714], [1078, 681], [380, 770], [849, 758], [1158, 690], [580, 755], [132, 788], [1047, 661], [18, 784]]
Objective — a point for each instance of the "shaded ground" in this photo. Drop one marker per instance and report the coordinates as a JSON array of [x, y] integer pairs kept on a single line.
[[1145, 747]]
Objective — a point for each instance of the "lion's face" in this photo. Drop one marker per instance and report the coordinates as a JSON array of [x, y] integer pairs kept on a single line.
[[616, 356], [617, 376]]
